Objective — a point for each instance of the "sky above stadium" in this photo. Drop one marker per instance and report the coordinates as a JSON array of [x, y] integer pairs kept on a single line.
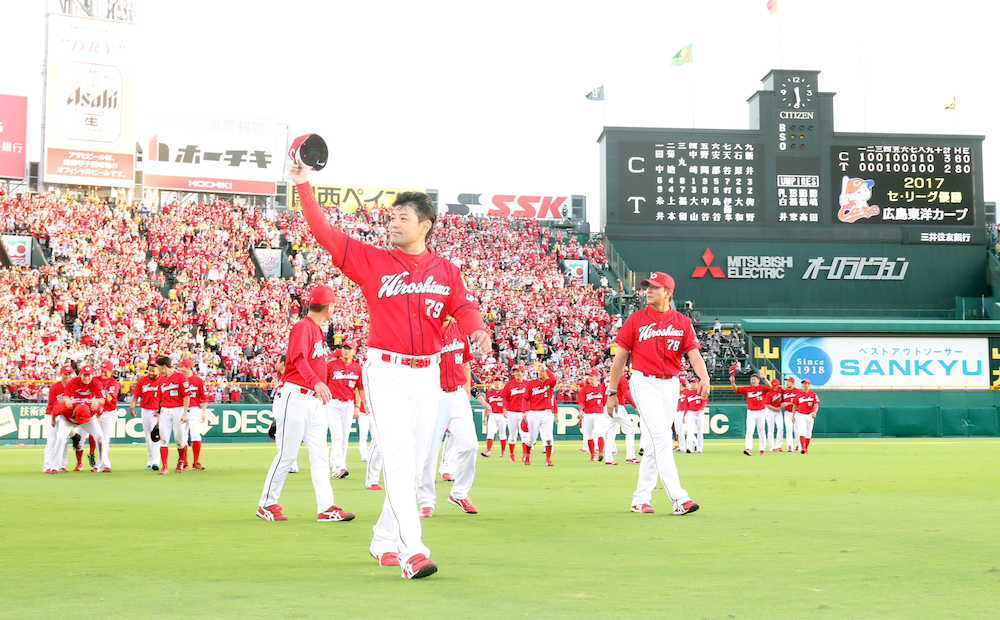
[[465, 97]]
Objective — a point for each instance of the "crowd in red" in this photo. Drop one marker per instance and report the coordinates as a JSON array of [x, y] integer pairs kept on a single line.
[[124, 284]]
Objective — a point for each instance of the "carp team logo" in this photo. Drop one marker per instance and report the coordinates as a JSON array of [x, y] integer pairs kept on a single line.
[[854, 196], [707, 257]]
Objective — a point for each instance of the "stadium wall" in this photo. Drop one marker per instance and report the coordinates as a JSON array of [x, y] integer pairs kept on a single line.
[[843, 414]]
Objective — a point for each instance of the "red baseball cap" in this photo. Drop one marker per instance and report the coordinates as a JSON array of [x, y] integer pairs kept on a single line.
[[66, 370], [775, 383], [186, 363], [594, 372], [336, 354], [321, 295], [107, 365], [349, 344], [311, 150], [87, 369], [804, 381], [658, 278], [519, 369]]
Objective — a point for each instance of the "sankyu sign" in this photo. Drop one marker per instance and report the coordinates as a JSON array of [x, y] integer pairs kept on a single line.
[[536, 206], [874, 363], [759, 267], [227, 157]]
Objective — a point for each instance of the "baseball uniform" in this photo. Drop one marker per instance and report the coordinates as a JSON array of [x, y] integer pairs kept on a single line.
[[657, 341], [590, 400], [342, 379], [195, 418], [77, 411], [806, 406], [680, 430], [539, 409], [755, 416], [408, 297], [620, 419], [694, 416], [495, 421], [54, 458], [148, 393], [173, 414], [773, 419], [515, 396], [108, 418], [788, 398]]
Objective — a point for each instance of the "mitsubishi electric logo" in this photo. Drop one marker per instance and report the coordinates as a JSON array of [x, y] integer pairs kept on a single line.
[[707, 257]]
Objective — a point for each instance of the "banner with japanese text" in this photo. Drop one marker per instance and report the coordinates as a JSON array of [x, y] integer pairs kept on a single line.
[[18, 248], [578, 271], [13, 130], [90, 102], [348, 199]]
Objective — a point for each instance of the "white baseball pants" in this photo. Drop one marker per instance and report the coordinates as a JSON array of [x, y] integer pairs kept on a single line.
[[403, 404], [657, 403], [373, 472], [191, 430], [363, 433], [694, 431], [755, 421], [63, 429], [590, 427], [170, 422], [804, 425], [514, 425], [148, 417], [775, 428], [680, 429], [791, 434], [108, 419], [339, 414], [610, 433], [50, 446], [455, 414], [496, 424], [299, 418]]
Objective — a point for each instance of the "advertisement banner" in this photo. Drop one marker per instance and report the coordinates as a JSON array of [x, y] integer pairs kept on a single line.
[[90, 102], [13, 130], [269, 260], [578, 271], [888, 362], [18, 248], [228, 157], [506, 205], [349, 199]]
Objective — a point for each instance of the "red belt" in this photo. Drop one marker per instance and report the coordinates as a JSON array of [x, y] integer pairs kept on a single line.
[[406, 360], [454, 389], [297, 387]]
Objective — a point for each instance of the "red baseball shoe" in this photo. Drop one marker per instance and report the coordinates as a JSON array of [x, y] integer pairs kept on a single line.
[[343, 473], [632, 461], [178, 469], [164, 471], [448, 477], [197, 465], [686, 508], [485, 454], [427, 512], [610, 462], [62, 470], [762, 453], [79, 467], [548, 462], [106, 470], [334, 513], [94, 470], [748, 453], [389, 558], [375, 487], [644, 509], [464, 504], [267, 513], [418, 567]]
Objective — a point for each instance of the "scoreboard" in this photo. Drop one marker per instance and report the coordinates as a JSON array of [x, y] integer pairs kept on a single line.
[[790, 176], [790, 216]]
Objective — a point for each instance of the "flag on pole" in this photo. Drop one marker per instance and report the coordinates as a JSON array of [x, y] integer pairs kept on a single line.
[[682, 57], [772, 6], [597, 94], [951, 106]]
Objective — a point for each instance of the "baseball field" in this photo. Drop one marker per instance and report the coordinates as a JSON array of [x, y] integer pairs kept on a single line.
[[865, 528]]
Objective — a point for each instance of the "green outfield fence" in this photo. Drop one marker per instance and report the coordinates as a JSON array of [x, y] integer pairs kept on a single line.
[[843, 414]]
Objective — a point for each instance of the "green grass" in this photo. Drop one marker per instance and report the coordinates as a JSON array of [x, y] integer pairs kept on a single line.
[[874, 528]]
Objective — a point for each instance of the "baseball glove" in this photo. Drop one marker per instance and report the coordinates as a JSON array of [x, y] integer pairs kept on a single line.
[[272, 430], [524, 424], [154, 434]]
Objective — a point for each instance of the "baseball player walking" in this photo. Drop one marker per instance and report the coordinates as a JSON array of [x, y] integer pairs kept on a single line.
[[496, 423], [409, 291], [515, 398], [191, 432], [619, 419], [54, 460], [773, 418], [789, 395], [146, 393], [694, 416], [174, 403], [298, 414], [806, 407], [343, 374], [590, 405], [755, 394], [539, 409], [108, 417], [657, 337]]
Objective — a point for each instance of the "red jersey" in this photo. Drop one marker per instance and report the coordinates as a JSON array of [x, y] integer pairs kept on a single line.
[[80, 392], [682, 400], [540, 392], [515, 396], [195, 390], [695, 401], [148, 391], [495, 400], [455, 353], [657, 340], [408, 296], [111, 390], [343, 379], [305, 364], [360, 402], [755, 396], [774, 397], [56, 390], [805, 401], [172, 390], [788, 397], [591, 398], [625, 392]]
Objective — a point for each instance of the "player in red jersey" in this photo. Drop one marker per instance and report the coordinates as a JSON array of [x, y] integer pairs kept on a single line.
[[299, 416], [680, 416], [806, 408], [454, 414], [610, 424], [539, 407], [515, 397], [82, 400], [755, 394], [409, 291], [191, 431], [146, 393], [54, 460], [174, 403], [694, 417], [788, 398], [109, 417], [590, 404], [657, 337], [773, 418], [495, 422], [343, 374]]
